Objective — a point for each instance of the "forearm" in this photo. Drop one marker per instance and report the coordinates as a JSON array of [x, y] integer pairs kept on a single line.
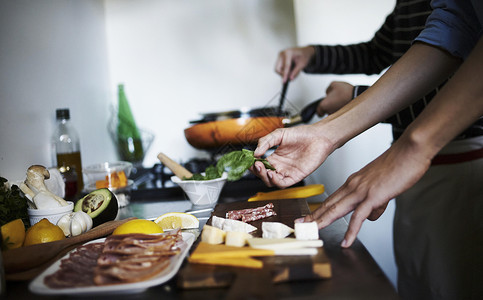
[[454, 108], [422, 68], [361, 58]]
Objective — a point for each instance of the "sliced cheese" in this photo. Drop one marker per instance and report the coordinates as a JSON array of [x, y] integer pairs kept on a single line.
[[281, 244], [212, 235], [306, 231], [207, 251], [236, 239], [217, 222], [244, 262], [231, 225], [297, 251], [275, 230]]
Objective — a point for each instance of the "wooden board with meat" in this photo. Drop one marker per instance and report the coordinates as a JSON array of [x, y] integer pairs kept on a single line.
[[277, 268], [117, 264]]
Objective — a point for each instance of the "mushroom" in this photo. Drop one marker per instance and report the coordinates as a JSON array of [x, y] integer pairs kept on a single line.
[[36, 175], [29, 194]]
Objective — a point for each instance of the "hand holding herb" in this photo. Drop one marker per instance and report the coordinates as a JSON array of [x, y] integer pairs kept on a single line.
[[235, 163]]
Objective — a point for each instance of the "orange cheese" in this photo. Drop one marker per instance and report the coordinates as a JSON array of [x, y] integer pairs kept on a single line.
[[228, 255], [245, 262], [205, 251]]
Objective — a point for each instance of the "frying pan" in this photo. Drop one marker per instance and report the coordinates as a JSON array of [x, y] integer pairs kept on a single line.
[[242, 127]]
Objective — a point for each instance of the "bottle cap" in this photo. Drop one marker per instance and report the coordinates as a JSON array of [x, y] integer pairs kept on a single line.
[[63, 114]]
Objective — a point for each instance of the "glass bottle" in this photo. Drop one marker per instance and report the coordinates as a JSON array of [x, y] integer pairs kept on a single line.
[[67, 156], [128, 135]]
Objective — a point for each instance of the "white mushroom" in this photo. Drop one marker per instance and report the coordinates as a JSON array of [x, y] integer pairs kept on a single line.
[[28, 193], [36, 175]]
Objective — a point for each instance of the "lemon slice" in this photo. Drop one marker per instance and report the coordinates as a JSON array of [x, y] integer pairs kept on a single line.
[[177, 220]]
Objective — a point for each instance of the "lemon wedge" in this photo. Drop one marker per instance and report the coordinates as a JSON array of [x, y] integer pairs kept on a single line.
[[138, 226], [175, 220]]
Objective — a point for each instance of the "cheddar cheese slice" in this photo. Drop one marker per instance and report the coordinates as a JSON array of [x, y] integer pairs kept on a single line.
[[244, 262]]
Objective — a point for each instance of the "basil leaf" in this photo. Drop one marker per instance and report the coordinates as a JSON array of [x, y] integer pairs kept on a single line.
[[235, 163]]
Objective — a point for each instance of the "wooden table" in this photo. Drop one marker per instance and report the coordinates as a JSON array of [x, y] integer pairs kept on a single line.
[[355, 275]]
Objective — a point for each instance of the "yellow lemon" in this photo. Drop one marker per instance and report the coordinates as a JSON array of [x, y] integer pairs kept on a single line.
[[43, 232], [13, 234], [138, 226], [177, 220]]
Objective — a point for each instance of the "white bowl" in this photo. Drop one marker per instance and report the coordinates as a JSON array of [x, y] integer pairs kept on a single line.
[[51, 214], [202, 192]]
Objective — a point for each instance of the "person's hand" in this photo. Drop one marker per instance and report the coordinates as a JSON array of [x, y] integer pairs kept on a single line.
[[290, 62], [368, 191], [300, 151], [338, 94]]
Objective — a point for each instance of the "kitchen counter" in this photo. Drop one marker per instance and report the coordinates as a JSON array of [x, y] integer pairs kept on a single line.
[[355, 274]]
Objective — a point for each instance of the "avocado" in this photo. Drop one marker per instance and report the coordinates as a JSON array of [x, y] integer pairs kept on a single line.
[[100, 204]]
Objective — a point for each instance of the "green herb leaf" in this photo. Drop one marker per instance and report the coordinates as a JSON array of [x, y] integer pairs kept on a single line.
[[235, 163], [13, 205]]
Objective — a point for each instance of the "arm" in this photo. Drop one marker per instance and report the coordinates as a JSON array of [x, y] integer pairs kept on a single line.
[[420, 69], [458, 104], [369, 57]]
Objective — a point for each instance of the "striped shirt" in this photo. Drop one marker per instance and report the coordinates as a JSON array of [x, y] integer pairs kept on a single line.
[[389, 43]]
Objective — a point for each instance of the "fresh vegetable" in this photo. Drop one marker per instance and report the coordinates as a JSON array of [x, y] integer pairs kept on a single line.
[[13, 205], [35, 188], [101, 205], [236, 163], [75, 223]]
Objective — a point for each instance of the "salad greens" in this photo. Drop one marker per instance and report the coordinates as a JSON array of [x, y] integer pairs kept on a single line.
[[13, 205], [235, 163]]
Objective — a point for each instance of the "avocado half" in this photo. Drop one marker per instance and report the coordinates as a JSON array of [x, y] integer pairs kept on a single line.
[[101, 205]]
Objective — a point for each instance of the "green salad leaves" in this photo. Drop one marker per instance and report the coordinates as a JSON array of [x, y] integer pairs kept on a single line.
[[13, 205], [235, 163]]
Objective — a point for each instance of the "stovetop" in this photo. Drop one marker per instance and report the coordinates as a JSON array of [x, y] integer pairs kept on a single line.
[[155, 183]]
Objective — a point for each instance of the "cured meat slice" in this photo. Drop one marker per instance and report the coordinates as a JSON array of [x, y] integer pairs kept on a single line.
[[78, 269], [258, 215], [252, 214], [237, 214], [119, 259]]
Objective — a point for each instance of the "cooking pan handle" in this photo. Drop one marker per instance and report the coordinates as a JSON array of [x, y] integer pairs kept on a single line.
[[309, 111]]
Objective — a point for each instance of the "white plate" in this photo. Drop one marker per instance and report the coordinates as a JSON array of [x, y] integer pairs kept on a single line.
[[37, 286]]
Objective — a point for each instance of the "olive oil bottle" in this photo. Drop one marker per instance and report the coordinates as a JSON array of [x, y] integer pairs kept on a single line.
[[67, 154]]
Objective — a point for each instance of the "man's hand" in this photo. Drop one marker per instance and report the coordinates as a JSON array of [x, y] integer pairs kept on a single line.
[[338, 94], [300, 151], [291, 62], [368, 191]]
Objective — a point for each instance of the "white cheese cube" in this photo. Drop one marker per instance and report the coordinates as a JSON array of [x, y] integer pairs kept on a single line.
[[236, 239], [212, 235], [306, 231]]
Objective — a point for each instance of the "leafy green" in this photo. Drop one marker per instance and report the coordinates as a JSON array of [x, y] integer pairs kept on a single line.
[[235, 163], [13, 205]]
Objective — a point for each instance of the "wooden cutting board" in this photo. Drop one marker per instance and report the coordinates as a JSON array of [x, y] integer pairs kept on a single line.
[[276, 268]]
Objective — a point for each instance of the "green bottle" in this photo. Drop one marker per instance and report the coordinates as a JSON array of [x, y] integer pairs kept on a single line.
[[129, 140]]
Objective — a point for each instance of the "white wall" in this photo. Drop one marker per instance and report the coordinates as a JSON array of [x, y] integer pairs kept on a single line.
[[343, 22], [177, 58], [180, 58], [52, 55]]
